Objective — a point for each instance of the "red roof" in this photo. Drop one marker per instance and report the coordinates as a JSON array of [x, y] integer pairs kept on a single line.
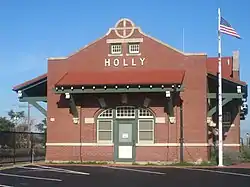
[[122, 77], [27, 83]]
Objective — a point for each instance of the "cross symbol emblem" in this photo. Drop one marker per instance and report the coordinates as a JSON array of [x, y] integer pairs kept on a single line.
[[124, 28]]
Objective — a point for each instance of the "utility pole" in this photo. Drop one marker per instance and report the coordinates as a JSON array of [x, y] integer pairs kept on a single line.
[[248, 141], [29, 125]]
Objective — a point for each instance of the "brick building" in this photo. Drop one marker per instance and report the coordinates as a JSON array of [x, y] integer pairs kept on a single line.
[[130, 97]]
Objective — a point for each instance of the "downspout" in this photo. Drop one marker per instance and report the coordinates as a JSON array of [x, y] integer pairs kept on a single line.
[[80, 122], [181, 133]]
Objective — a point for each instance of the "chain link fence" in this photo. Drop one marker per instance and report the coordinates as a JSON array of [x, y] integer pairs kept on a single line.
[[22, 147]]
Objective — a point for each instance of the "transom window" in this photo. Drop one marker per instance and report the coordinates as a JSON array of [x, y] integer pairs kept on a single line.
[[144, 113], [125, 112], [106, 114], [116, 48], [134, 48]]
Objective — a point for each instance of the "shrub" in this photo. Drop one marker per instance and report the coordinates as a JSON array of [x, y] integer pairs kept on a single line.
[[245, 154]]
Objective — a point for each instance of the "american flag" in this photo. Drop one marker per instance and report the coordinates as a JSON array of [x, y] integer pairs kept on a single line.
[[226, 28]]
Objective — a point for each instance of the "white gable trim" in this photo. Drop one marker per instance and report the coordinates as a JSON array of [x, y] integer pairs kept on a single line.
[[139, 29]]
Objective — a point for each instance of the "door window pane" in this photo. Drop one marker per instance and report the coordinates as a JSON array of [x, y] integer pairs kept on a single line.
[[125, 132]]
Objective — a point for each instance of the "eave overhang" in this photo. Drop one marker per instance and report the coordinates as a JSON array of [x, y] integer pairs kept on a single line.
[[31, 83], [33, 91], [228, 80], [118, 88]]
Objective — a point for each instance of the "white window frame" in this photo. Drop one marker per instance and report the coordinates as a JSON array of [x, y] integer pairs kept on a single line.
[[112, 49], [125, 117], [97, 130], [130, 46], [138, 132]]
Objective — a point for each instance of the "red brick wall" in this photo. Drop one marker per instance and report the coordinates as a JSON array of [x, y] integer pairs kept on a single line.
[[170, 154], [226, 63], [62, 129], [157, 56], [233, 133], [164, 133], [72, 153]]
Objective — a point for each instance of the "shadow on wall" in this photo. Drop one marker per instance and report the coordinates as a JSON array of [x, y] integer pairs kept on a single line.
[[112, 100], [231, 111]]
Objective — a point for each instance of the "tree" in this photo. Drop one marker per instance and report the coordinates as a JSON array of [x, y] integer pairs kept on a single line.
[[5, 124], [40, 126], [16, 115]]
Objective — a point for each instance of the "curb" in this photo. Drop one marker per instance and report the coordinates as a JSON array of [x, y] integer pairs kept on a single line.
[[11, 165], [247, 166]]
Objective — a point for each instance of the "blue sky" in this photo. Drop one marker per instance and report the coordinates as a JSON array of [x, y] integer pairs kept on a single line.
[[31, 31]]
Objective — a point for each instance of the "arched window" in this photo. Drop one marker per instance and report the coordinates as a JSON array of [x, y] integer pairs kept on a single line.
[[144, 119]]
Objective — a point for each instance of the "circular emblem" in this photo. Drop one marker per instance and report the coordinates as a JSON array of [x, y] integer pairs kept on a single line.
[[124, 28]]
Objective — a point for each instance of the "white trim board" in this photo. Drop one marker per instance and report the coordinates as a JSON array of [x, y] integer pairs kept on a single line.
[[185, 145], [142, 145]]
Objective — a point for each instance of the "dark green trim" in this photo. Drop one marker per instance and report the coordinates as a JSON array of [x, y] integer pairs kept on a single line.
[[117, 143], [72, 106], [38, 107], [170, 107], [135, 129], [36, 99], [230, 82], [33, 85], [213, 110], [114, 90], [181, 134], [225, 95]]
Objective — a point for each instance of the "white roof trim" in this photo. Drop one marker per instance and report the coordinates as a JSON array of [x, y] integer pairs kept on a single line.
[[139, 29], [57, 58]]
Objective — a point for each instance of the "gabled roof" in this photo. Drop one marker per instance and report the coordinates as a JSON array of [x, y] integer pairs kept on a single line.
[[30, 82], [122, 77]]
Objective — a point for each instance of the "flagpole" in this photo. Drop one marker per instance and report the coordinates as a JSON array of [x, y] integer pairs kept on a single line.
[[220, 94]]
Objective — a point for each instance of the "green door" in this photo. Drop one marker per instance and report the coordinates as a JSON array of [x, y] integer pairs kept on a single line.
[[125, 138]]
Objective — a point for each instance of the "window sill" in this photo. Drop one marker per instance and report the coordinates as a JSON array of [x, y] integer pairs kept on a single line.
[[104, 143], [133, 54], [115, 54], [145, 144]]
